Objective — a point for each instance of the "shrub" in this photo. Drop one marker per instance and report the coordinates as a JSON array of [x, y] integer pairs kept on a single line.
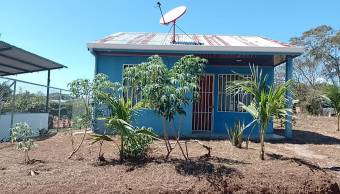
[[135, 145], [133, 141], [22, 134], [236, 134]]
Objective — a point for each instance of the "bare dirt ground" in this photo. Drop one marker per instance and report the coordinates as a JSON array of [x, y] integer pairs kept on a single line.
[[309, 163], [315, 139]]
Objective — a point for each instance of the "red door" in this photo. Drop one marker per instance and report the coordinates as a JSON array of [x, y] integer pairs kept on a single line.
[[202, 113]]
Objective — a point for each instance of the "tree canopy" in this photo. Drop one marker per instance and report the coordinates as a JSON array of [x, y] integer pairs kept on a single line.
[[321, 56]]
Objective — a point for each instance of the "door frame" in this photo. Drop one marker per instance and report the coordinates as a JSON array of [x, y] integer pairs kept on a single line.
[[212, 110]]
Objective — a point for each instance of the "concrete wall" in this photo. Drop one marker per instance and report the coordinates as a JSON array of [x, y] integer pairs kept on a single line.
[[36, 121], [113, 65]]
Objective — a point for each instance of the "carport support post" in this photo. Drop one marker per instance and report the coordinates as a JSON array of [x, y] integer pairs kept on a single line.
[[13, 106], [59, 109], [48, 89], [289, 97]]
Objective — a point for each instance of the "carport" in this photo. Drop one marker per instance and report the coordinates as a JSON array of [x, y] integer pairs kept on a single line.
[[14, 61]]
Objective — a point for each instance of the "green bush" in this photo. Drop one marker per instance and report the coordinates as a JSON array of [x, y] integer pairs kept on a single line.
[[135, 146]]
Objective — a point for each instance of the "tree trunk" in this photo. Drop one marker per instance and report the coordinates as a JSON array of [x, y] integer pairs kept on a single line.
[[87, 112], [262, 130], [338, 121], [100, 154], [81, 143], [177, 131], [165, 136], [121, 147], [27, 158]]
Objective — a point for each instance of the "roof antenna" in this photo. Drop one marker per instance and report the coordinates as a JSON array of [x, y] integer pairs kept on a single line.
[[160, 9]]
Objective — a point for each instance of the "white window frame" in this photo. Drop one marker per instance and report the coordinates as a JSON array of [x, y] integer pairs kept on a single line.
[[232, 100]]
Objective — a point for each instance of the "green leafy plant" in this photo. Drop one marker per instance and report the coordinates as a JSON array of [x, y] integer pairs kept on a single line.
[[278, 115], [266, 100], [136, 144], [21, 134], [236, 133], [133, 141], [167, 90], [332, 95]]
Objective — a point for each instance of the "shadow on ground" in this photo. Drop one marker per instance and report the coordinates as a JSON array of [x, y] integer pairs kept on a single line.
[[45, 136], [199, 166], [203, 168], [334, 168], [306, 137], [299, 161]]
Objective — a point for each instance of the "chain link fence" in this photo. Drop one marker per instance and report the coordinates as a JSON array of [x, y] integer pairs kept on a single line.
[[22, 101]]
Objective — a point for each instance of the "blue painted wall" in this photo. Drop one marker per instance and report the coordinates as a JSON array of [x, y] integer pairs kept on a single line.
[[113, 66]]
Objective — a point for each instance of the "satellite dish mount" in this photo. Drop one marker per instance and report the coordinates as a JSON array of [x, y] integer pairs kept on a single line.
[[171, 18]]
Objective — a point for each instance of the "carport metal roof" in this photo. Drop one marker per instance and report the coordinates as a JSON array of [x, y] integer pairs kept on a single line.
[[14, 60]]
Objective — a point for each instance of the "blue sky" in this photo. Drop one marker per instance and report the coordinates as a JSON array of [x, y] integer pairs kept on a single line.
[[60, 29]]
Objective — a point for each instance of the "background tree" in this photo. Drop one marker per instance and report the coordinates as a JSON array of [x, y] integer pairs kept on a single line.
[[332, 94], [167, 90], [321, 54], [319, 64], [5, 94], [5, 91]]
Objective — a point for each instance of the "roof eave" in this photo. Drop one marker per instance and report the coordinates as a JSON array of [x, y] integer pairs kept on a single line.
[[195, 48]]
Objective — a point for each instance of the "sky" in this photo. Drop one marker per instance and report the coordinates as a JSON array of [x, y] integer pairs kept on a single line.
[[59, 29]]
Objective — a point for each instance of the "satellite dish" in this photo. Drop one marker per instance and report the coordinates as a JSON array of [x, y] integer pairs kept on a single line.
[[173, 15]]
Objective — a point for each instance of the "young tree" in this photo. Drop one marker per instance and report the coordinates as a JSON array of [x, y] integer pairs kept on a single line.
[[86, 91], [132, 140], [22, 134], [332, 94], [167, 90], [266, 100]]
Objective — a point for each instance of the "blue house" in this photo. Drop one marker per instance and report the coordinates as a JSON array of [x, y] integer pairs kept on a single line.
[[227, 56]]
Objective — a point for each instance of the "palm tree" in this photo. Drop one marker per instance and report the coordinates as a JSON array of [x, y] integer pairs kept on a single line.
[[332, 94], [266, 100], [122, 113]]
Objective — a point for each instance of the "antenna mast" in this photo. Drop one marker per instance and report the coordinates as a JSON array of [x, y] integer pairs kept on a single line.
[[160, 9]]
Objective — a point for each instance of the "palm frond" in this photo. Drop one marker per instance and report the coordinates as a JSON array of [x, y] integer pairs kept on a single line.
[[251, 109], [98, 137], [147, 132]]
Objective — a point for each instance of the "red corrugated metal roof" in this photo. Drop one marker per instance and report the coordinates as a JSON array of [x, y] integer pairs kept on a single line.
[[148, 41]]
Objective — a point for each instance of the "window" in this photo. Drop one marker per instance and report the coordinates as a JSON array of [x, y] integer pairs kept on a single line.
[[131, 92], [229, 101]]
